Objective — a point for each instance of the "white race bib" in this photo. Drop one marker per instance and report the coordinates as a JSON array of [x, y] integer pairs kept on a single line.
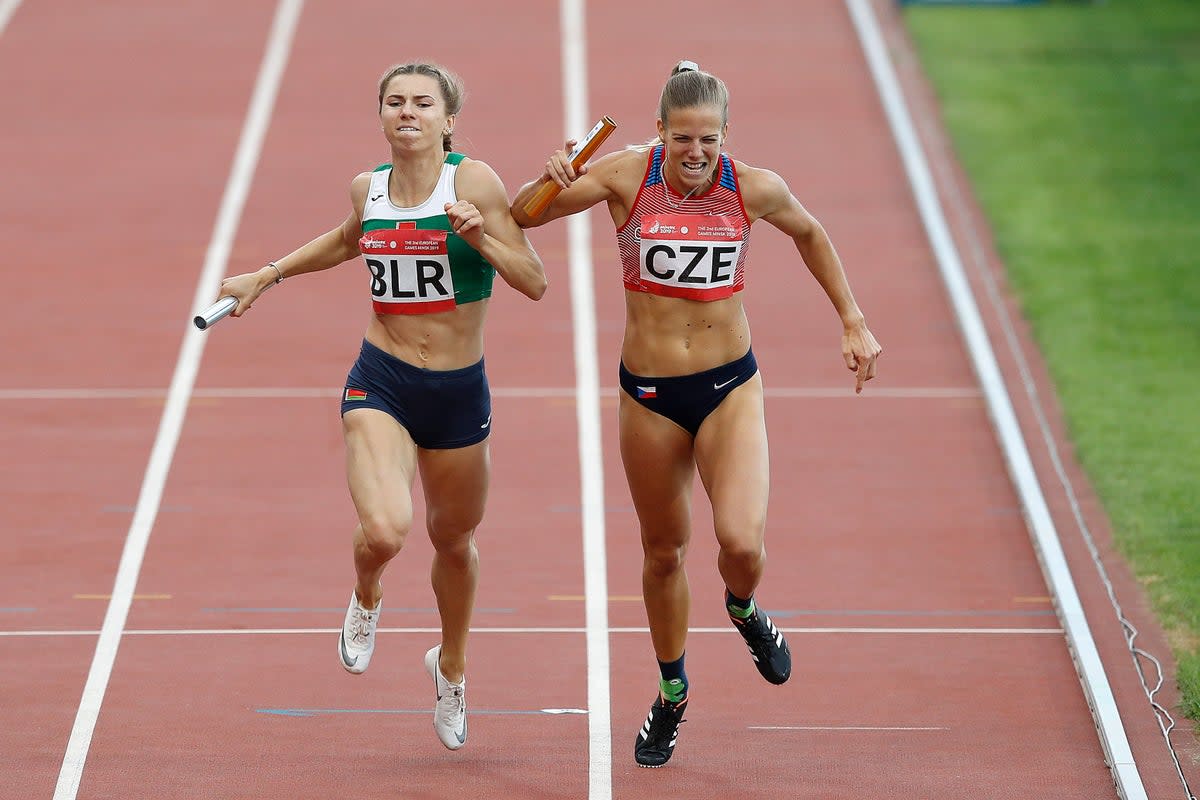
[[410, 270], [690, 256]]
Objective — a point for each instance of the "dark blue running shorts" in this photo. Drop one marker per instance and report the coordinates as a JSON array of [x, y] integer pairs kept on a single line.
[[687, 400], [441, 410]]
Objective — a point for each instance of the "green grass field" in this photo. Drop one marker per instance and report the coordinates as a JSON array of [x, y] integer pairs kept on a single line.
[[1079, 124]]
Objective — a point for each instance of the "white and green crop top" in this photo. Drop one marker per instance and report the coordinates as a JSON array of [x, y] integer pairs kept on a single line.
[[417, 265]]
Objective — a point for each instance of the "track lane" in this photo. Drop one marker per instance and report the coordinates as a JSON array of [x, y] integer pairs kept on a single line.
[[1076, 513], [94, 225], [267, 542], [889, 506], [923, 351]]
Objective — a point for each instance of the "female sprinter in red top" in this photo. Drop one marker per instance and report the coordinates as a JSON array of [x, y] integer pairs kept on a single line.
[[691, 395]]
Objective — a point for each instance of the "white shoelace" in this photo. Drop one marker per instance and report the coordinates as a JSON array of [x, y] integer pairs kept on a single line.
[[451, 704], [360, 627]]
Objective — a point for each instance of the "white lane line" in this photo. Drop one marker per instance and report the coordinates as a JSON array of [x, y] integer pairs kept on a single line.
[[540, 631], [587, 415], [7, 9], [1045, 538], [901, 631], [150, 496], [904, 728], [314, 392]]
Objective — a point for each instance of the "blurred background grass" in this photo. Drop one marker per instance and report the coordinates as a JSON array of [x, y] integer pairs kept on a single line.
[[1079, 125]]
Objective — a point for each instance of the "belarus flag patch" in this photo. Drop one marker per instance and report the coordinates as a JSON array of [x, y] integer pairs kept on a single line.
[[647, 392], [354, 394]]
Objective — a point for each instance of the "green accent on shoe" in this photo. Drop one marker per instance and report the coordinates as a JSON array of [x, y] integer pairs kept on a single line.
[[739, 612], [673, 690]]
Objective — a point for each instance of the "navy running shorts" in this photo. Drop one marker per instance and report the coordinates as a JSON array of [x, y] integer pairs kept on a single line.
[[441, 410], [687, 400]]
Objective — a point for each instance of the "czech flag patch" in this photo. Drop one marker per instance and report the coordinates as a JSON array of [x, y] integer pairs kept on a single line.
[[647, 392], [354, 394]]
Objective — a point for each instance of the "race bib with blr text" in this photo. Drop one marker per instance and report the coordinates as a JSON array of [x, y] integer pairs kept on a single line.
[[410, 270], [690, 256]]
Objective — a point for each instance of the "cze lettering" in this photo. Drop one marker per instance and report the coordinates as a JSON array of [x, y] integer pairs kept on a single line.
[[720, 263]]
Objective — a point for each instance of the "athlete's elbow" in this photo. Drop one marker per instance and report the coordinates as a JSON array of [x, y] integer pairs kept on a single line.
[[536, 289], [519, 216]]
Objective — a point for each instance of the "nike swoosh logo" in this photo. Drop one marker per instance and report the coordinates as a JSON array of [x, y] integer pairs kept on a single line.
[[346, 659], [723, 385], [486, 422], [462, 737], [376, 197]]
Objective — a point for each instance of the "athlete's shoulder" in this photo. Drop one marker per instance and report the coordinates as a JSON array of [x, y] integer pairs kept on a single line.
[[622, 159], [758, 181], [472, 169], [764, 192], [475, 178], [359, 187], [620, 170], [466, 163]]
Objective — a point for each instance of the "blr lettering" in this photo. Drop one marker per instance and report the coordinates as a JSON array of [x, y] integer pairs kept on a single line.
[[720, 264], [429, 274]]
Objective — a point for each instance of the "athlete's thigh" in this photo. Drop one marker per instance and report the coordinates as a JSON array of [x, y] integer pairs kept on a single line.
[[657, 456], [381, 463], [732, 458], [455, 482]]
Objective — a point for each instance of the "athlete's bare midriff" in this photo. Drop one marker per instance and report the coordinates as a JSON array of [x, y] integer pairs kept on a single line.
[[442, 341], [668, 336]]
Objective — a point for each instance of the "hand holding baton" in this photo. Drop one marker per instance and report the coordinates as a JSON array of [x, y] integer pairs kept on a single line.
[[225, 305], [549, 190], [216, 312]]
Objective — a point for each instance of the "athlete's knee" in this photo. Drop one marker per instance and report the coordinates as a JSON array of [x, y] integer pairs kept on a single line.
[[747, 554], [740, 531], [455, 550], [384, 534], [664, 560], [453, 528]]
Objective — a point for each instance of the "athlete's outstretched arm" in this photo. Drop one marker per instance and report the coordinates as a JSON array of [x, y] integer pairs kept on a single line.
[[327, 250], [768, 197]]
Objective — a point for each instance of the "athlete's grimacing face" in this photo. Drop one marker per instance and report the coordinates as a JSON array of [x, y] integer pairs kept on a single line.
[[693, 138], [413, 111]]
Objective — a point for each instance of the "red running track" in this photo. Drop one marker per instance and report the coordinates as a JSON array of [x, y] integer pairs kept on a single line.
[[929, 662]]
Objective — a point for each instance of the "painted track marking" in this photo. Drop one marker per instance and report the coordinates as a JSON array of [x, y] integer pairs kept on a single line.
[[539, 631], [1081, 645], [903, 728], [237, 187], [316, 712], [587, 415], [309, 392], [7, 9], [132, 597]]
